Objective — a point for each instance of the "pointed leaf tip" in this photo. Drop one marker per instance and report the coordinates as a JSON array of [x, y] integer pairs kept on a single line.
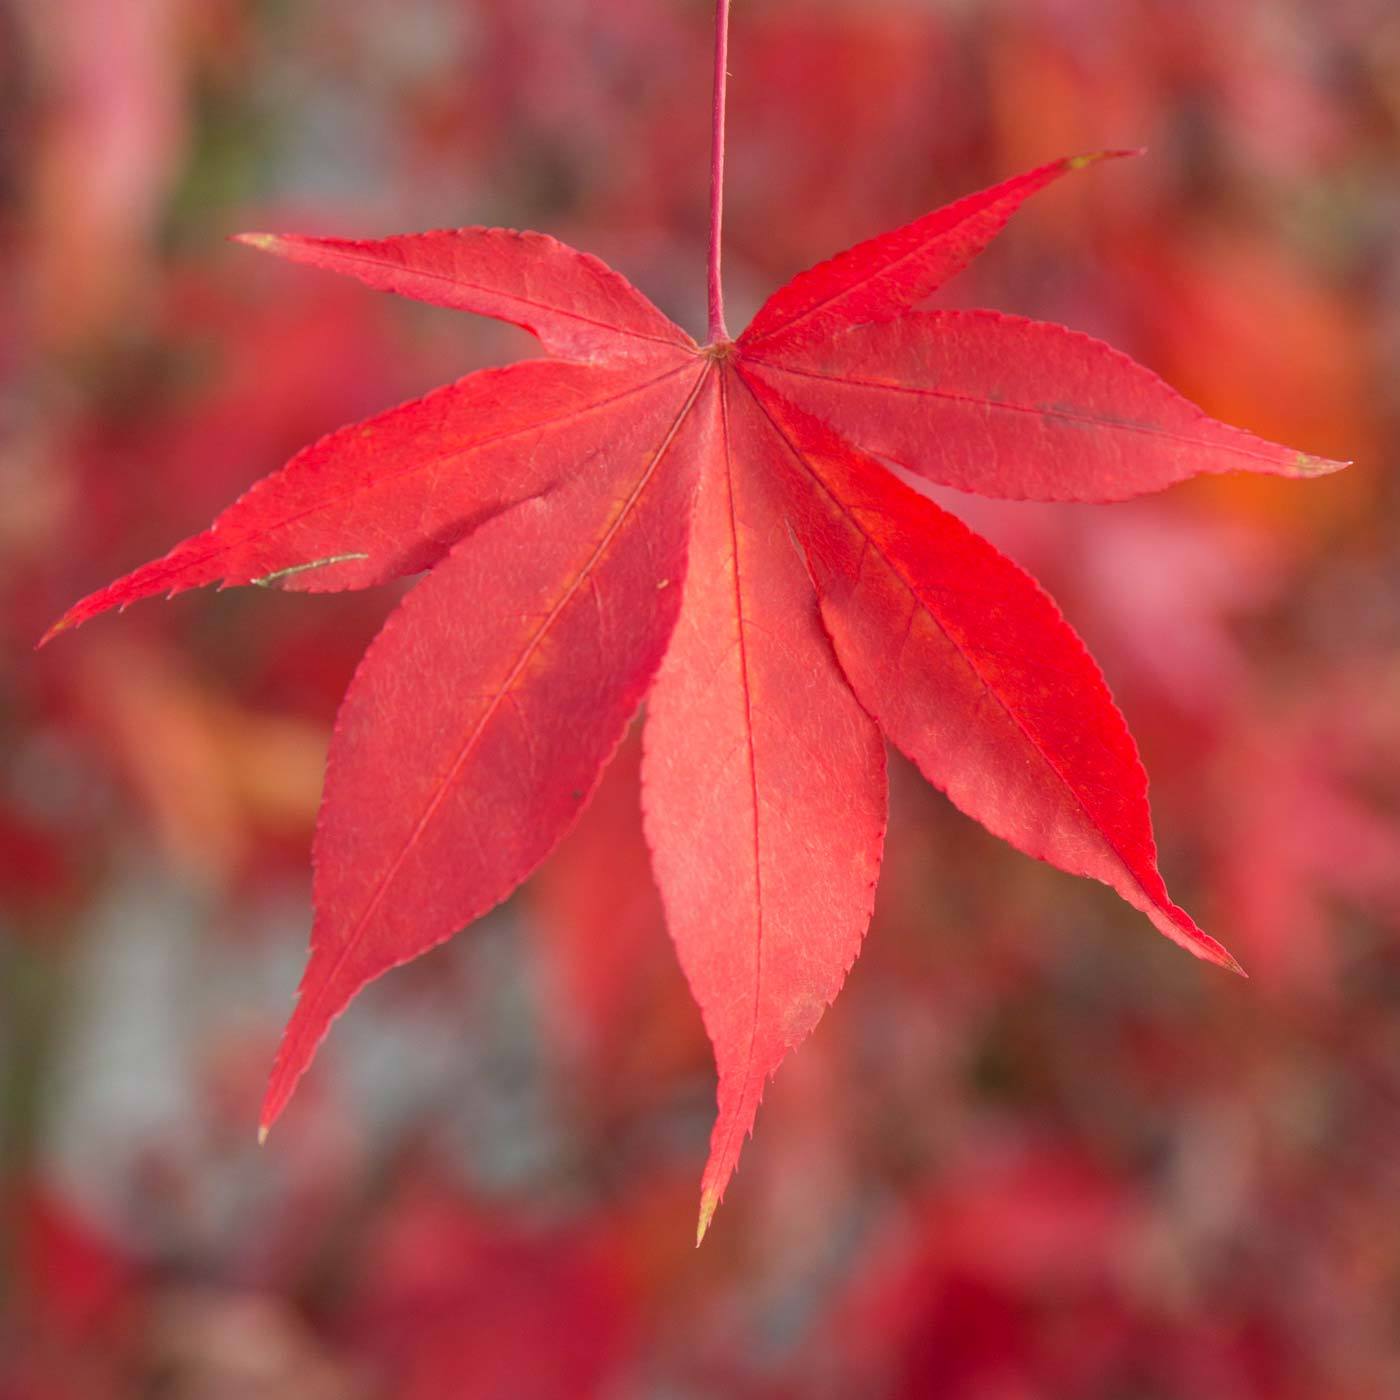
[[884, 277], [62, 625], [263, 1130], [1307, 464], [709, 1203], [1094, 157], [577, 307]]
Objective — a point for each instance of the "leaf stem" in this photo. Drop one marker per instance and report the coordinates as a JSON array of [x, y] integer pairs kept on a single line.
[[718, 330]]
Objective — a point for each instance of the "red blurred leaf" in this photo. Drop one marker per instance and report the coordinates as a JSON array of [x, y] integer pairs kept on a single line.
[[102, 163], [465, 1302], [77, 1280]]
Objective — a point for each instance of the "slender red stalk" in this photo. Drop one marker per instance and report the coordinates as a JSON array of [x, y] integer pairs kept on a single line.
[[718, 330]]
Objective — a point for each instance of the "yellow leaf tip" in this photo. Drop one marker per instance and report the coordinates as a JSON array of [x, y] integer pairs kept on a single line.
[[1094, 157], [1306, 464], [62, 625], [266, 242], [262, 1135], [709, 1203], [1232, 964]]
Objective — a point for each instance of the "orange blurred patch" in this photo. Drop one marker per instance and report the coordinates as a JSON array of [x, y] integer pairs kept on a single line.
[[213, 776], [1256, 337]]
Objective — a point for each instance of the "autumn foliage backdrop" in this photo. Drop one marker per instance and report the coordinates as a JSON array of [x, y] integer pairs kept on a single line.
[[1033, 1151]]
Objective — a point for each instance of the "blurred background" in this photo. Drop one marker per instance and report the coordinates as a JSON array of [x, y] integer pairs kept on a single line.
[[1033, 1151]]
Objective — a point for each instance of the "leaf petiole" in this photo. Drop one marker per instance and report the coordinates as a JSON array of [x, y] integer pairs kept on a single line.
[[718, 330]]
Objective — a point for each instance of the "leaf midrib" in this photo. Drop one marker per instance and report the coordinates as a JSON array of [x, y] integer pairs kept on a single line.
[[1002, 405], [428, 463], [681, 341], [721, 1158]]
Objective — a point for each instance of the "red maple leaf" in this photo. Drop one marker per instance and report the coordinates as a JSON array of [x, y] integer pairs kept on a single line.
[[714, 528]]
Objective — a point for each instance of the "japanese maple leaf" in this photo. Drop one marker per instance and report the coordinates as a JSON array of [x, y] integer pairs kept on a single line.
[[715, 529]]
